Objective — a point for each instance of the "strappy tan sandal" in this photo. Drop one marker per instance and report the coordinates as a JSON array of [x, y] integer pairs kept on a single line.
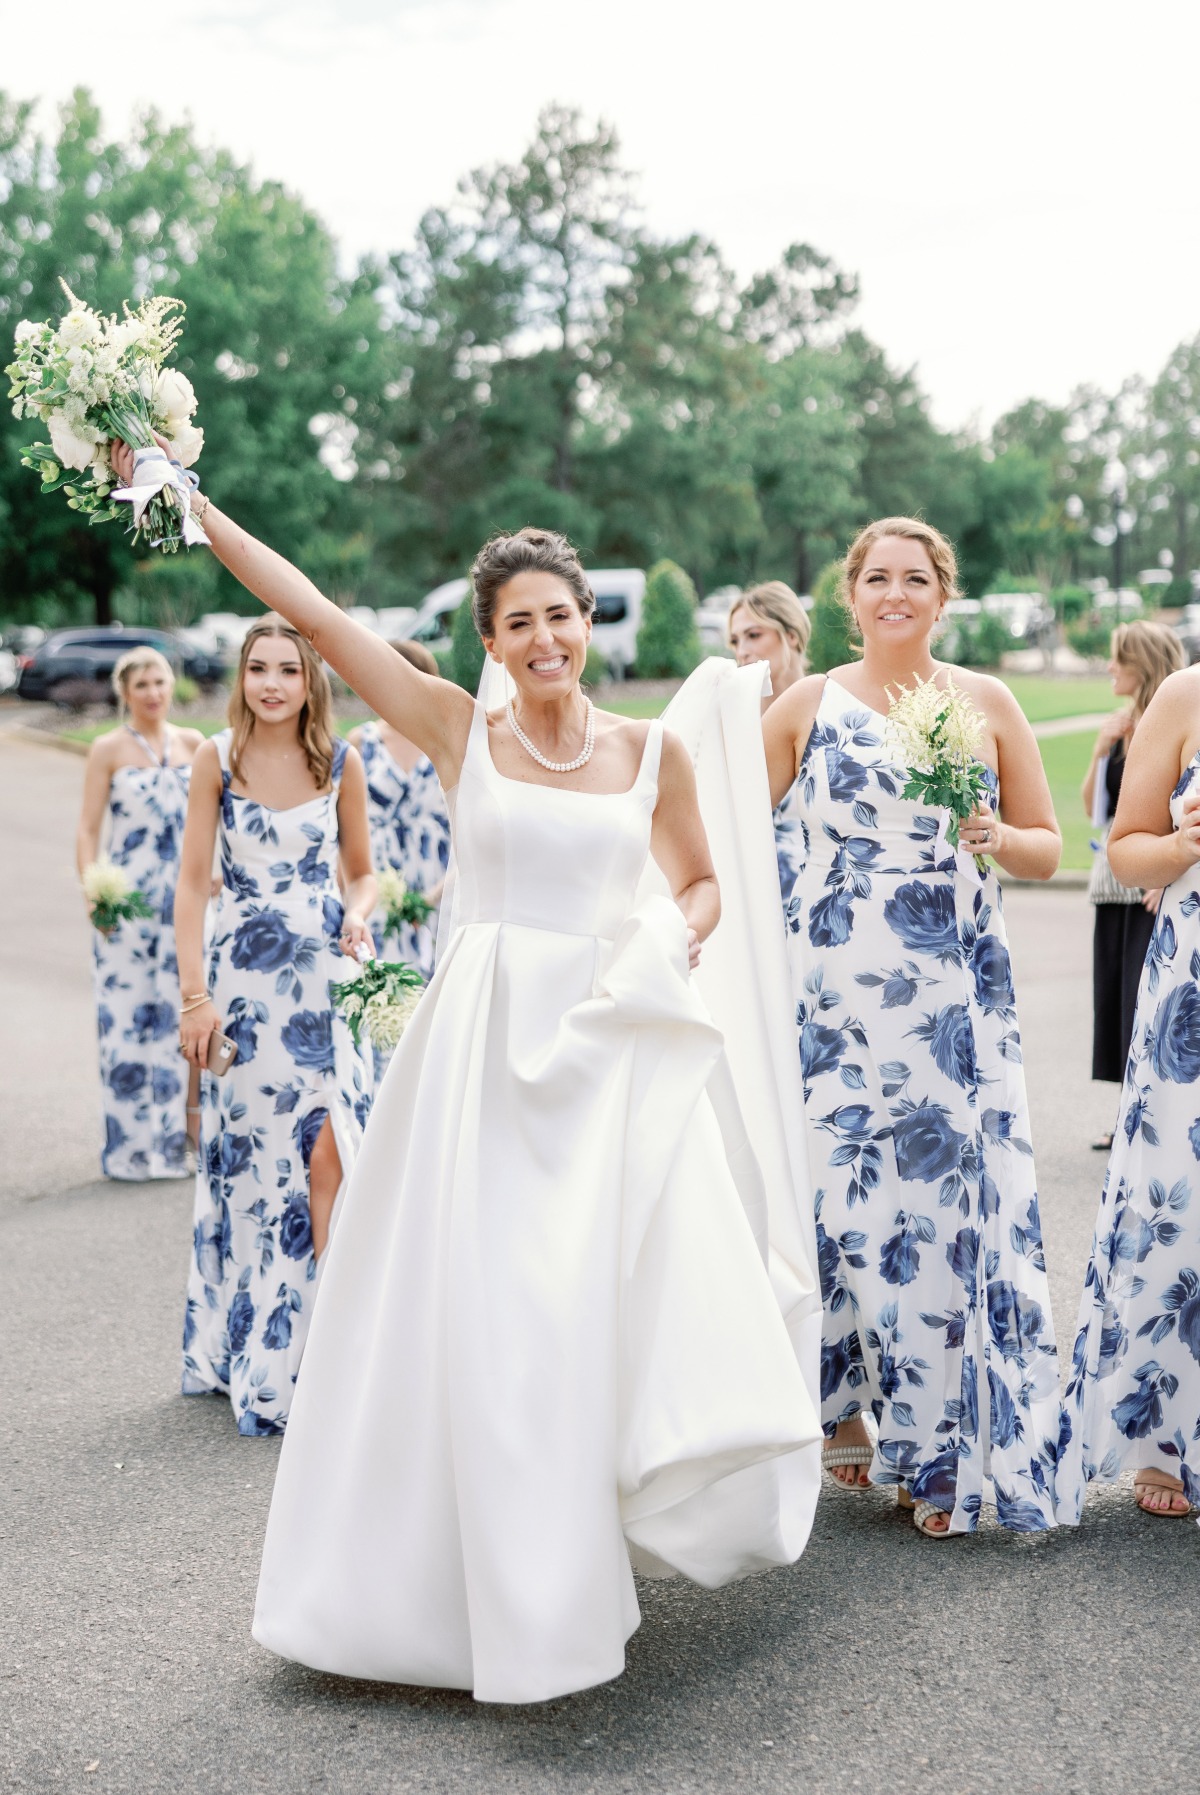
[[862, 1454], [1141, 1482]]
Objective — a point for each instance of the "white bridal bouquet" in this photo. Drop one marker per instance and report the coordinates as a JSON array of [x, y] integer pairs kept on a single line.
[[91, 378], [400, 904], [939, 734], [112, 898], [379, 1002]]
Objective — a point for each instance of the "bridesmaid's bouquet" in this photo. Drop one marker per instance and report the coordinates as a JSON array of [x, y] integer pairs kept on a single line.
[[111, 896], [379, 1001], [89, 379], [939, 736], [400, 904]]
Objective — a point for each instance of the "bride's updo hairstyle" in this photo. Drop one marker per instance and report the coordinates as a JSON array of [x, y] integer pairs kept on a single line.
[[529, 551], [913, 529]]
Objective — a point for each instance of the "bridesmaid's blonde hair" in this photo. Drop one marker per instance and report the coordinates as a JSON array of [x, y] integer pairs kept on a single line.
[[776, 604], [1150, 650], [131, 662], [315, 722]]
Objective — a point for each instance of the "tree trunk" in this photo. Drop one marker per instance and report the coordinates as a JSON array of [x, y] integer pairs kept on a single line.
[[801, 561]]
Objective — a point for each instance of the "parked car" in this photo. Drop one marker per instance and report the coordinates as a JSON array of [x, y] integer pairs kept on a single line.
[[1188, 631], [76, 663], [435, 615], [395, 622], [1026, 614], [615, 621], [9, 671]]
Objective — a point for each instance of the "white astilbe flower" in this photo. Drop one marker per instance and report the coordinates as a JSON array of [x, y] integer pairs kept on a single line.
[[928, 723], [105, 883], [392, 888], [385, 1020]]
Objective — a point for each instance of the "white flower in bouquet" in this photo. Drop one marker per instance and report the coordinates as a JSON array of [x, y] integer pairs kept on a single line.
[[93, 378], [105, 883], [937, 735], [72, 447], [186, 442], [81, 325], [174, 397], [385, 1019]]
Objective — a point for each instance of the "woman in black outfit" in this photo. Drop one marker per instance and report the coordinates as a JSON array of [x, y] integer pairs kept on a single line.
[[1142, 656]]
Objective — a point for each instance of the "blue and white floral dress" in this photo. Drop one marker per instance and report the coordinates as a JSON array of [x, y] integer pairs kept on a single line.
[[936, 1305], [410, 833], [144, 1079], [788, 826], [1134, 1392], [253, 1278]]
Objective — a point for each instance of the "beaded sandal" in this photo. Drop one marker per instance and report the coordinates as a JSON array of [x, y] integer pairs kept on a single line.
[[861, 1454]]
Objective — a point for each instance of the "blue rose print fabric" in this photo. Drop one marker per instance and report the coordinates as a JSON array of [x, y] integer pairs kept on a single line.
[[410, 832], [936, 1305], [789, 841], [253, 1279], [143, 1078], [1133, 1396]]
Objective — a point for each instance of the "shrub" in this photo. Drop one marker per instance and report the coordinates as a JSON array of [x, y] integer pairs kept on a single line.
[[668, 643], [596, 668], [445, 662], [467, 653], [1070, 603], [980, 641], [186, 690], [831, 643], [1091, 636]]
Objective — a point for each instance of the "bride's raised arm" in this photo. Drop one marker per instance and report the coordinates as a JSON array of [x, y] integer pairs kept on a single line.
[[433, 713]]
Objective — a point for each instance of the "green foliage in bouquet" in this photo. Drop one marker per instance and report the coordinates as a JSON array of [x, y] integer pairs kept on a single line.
[[379, 1001]]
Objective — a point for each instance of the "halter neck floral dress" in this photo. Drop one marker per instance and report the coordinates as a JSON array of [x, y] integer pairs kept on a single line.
[[253, 1278], [936, 1304], [1133, 1398], [137, 979]]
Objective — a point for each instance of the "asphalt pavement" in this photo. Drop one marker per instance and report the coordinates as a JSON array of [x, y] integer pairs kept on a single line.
[[131, 1519]]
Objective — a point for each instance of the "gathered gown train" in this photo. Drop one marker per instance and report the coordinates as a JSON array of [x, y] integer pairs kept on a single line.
[[546, 1343]]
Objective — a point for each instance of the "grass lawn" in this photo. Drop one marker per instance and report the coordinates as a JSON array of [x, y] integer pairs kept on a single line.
[[1066, 760], [1043, 699]]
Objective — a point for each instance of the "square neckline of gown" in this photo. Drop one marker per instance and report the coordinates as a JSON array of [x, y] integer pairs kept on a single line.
[[566, 791]]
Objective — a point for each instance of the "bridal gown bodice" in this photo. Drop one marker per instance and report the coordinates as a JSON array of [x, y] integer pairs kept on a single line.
[[546, 1341]]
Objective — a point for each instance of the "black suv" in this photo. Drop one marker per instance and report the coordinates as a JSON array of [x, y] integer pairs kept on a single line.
[[70, 664]]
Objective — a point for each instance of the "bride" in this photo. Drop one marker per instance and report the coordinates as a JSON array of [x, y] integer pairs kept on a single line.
[[546, 1342]]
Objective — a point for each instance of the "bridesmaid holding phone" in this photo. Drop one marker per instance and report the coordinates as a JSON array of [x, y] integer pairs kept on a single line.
[[286, 803]]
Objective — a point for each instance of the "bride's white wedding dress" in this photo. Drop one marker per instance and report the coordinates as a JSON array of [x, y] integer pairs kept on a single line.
[[545, 1342]]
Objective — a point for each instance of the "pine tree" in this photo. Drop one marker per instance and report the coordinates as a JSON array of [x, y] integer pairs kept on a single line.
[[832, 639], [668, 643]]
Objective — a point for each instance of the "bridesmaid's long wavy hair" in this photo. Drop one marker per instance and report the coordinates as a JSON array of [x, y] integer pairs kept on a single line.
[[314, 725], [1150, 650]]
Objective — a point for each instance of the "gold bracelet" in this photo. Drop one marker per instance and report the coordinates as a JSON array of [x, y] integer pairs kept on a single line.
[[191, 996], [195, 1004], [199, 506]]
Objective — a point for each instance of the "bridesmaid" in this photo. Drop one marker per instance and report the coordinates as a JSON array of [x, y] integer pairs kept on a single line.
[[1134, 1391], [1142, 656], [285, 801], [768, 623], [937, 1312], [137, 782], [410, 827]]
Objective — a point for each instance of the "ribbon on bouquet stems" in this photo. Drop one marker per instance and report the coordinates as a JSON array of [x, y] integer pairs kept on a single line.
[[154, 473]]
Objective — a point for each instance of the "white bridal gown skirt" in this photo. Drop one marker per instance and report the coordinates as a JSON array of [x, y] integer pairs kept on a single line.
[[546, 1341]]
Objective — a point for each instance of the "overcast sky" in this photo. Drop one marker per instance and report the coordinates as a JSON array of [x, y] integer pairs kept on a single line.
[[1015, 184]]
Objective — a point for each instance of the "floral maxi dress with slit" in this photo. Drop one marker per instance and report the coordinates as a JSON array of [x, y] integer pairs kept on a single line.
[[253, 1278], [936, 1305]]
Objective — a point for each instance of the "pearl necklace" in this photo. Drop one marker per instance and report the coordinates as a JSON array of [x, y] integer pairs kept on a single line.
[[557, 766]]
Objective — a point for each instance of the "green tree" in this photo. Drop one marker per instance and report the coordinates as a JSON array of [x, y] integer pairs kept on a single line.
[[831, 643], [277, 344], [668, 644], [467, 653]]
